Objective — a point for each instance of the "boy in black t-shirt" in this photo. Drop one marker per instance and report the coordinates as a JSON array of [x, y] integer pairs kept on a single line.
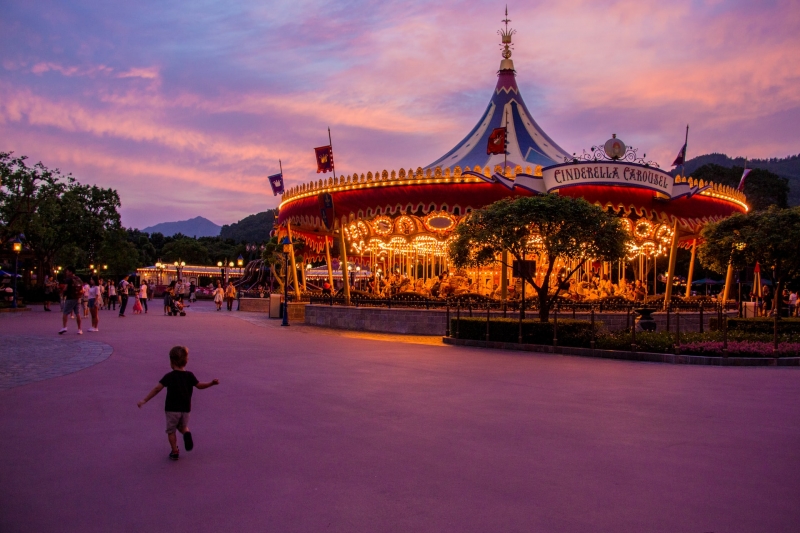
[[179, 384]]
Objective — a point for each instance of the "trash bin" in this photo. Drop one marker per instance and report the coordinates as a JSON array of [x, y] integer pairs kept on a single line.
[[275, 306], [749, 309]]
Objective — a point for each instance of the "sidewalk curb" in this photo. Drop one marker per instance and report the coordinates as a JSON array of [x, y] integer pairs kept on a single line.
[[647, 357]]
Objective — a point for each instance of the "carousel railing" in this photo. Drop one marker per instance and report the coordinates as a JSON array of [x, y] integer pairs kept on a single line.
[[468, 302]]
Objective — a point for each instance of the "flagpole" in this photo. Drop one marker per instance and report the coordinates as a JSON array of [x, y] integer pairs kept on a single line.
[[280, 165], [333, 166], [685, 150]]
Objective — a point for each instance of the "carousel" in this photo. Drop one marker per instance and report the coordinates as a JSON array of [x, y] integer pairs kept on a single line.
[[395, 225]]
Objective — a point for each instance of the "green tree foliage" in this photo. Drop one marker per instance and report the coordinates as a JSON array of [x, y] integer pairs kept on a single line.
[[225, 250], [60, 218], [119, 253], [551, 225], [188, 250], [763, 188], [769, 237], [251, 229]]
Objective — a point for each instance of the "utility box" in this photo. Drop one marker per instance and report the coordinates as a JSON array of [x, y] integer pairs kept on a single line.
[[749, 309], [276, 306]]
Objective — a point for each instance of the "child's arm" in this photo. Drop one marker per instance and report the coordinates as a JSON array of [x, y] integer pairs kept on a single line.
[[149, 397], [207, 385]]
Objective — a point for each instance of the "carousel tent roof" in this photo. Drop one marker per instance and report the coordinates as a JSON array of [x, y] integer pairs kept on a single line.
[[528, 144]]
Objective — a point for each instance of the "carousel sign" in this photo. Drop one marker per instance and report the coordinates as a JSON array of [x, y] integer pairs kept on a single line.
[[611, 173]]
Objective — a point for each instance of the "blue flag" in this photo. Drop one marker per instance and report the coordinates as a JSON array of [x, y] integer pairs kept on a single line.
[[276, 182]]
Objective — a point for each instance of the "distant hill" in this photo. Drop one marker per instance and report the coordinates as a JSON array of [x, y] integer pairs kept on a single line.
[[253, 229], [787, 167], [195, 227]]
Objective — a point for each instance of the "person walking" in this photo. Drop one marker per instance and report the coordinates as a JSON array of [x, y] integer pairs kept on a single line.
[[143, 295], [230, 295], [192, 292], [49, 286], [124, 286], [94, 299], [85, 300], [219, 295], [112, 295], [73, 291], [179, 384]]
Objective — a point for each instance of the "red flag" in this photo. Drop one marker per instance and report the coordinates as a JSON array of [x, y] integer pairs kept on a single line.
[[497, 142], [681, 159], [324, 158], [744, 176]]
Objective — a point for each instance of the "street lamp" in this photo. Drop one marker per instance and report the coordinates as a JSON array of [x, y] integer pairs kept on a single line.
[[240, 261], [17, 246], [287, 247]]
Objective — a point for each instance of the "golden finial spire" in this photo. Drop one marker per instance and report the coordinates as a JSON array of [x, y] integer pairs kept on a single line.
[[505, 34]]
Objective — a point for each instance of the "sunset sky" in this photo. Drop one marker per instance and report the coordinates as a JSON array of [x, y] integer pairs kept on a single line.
[[185, 107]]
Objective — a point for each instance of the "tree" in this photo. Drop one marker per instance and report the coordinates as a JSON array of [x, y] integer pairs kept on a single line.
[[187, 250], [118, 253], [768, 237], [762, 187], [551, 227], [253, 229], [60, 218]]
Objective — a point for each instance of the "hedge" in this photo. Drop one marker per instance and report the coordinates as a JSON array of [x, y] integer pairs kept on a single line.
[[764, 325], [576, 333]]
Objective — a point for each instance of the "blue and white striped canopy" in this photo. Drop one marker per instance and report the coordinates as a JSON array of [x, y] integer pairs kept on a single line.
[[528, 145]]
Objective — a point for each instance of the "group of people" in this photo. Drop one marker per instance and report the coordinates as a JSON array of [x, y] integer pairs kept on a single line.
[[765, 304], [81, 299], [226, 295]]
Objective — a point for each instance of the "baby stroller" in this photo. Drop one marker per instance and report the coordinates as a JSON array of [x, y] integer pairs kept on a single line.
[[172, 306]]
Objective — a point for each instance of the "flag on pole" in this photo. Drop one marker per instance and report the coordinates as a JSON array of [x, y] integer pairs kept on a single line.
[[757, 291], [744, 176], [324, 158], [681, 159], [276, 182], [497, 142]]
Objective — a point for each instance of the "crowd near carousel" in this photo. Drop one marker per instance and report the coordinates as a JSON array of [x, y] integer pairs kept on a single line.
[[386, 233]]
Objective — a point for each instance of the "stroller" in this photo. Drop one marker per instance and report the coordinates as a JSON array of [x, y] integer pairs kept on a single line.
[[172, 306]]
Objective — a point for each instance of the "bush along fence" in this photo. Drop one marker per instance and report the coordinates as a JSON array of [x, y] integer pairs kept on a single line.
[[738, 338]]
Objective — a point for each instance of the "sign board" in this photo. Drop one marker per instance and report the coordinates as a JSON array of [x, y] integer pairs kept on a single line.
[[526, 267], [611, 173]]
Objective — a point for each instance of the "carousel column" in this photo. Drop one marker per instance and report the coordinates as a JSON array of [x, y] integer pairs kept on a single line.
[[673, 256], [294, 264], [504, 275], [343, 266], [729, 282], [328, 263], [691, 269]]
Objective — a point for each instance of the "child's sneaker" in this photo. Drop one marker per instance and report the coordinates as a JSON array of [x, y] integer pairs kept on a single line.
[[62, 331], [80, 332], [174, 456], [188, 443], [93, 329]]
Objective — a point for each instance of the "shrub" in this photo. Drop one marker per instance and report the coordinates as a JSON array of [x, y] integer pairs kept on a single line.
[[646, 341], [577, 333], [763, 325], [741, 349]]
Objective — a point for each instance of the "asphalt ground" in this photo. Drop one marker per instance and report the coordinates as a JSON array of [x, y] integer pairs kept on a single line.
[[319, 430]]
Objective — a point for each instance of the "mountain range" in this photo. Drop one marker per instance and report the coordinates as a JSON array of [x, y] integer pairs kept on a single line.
[[194, 227], [786, 167]]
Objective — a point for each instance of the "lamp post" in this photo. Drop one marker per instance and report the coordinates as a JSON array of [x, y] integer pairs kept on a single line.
[[227, 273], [358, 269], [221, 269], [17, 246], [287, 246]]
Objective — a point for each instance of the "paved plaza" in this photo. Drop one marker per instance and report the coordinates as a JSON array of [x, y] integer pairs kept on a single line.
[[319, 430]]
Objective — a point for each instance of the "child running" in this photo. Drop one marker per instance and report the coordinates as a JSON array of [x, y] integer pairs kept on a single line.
[[179, 385]]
